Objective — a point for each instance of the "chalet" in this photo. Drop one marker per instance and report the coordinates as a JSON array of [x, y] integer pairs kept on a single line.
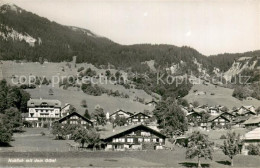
[[120, 113], [138, 118], [43, 111], [252, 137], [194, 118], [228, 115], [245, 111], [151, 103], [76, 118], [218, 121], [132, 137], [252, 122]]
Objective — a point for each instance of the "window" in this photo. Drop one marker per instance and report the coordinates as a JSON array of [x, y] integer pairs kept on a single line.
[[145, 134], [154, 140], [119, 140], [140, 139], [160, 140], [147, 139], [130, 140]]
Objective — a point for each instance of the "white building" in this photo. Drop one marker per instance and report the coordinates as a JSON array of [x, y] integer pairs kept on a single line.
[[43, 111]]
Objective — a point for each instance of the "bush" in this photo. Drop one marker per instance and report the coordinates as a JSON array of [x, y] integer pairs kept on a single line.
[[223, 137], [43, 133], [253, 149]]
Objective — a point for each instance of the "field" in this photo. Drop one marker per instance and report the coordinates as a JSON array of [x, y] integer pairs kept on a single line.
[[222, 96], [32, 145], [74, 95]]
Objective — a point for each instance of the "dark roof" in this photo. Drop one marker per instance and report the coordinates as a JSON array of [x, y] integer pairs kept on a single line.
[[129, 113], [227, 114], [119, 130], [137, 114], [43, 102], [151, 102], [72, 114], [215, 117]]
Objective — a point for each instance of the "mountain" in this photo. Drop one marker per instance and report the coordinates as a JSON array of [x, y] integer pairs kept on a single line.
[[27, 36]]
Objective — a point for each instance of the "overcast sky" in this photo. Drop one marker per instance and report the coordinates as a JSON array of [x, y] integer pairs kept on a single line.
[[210, 26]]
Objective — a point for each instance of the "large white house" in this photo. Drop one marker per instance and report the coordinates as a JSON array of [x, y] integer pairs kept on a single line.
[[43, 111]]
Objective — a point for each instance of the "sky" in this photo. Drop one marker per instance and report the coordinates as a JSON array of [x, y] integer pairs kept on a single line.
[[209, 26]]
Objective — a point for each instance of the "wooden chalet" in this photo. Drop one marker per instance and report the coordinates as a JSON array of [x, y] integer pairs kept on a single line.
[[76, 118], [120, 113], [228, 115], [132, 137], [138, 118], [245, 111], [218, 121]]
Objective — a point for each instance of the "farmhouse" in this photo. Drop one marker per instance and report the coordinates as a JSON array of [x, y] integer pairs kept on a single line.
[[120, 113], [252, 137], [252, 122], [76, 118], [43, 111], [138, 118], [133, 137], [228, 116], [218, 121], [245, 111]]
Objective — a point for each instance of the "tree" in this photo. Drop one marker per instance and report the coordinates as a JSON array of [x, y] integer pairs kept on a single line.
[[119, 121], [58, 130], [183, 102], [170, 117], [86, 114], [231, 145], [13, 116], [195, 104], [108, 73], [99, 116], [86, 136], [199, 146], [72, 109], [84, 103], [224, 109], [5, 130]]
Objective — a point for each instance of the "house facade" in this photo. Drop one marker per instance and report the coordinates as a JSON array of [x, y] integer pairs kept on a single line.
[[120, 113], [75, 119], [138, 118], [218, 121], [43, 112], [133, 137]]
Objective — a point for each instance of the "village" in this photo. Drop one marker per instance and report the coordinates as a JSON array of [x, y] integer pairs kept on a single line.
[[135, 129]]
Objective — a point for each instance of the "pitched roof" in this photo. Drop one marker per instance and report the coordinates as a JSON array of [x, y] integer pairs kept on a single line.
[[215, 117], [152, 101], [252, 120], [137, 114], [127, 112], [77, 114], [43, 102], [228, 113], [118, 130], [253, 135]]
